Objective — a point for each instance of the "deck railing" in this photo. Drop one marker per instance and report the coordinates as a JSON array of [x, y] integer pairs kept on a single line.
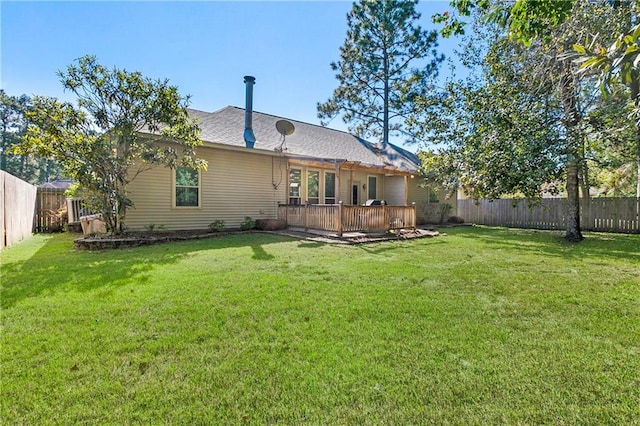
[[339, 218]]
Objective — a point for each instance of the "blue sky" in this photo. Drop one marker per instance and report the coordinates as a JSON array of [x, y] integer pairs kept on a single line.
[[204, 48]]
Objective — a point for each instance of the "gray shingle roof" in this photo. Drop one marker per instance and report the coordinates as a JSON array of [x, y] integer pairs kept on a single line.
[[57, 184], [226, 126]]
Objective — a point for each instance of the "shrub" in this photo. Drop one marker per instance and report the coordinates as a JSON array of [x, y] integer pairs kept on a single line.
[[270, 224], [217, 225], [444, 211], [153, 227], [248, 223], [455, 219]]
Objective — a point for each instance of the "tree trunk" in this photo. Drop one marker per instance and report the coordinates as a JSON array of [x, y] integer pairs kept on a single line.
[[385, 119], [583, 178], [22, 164], [573, 232], [583, 172], [572, 118], [638, 157]]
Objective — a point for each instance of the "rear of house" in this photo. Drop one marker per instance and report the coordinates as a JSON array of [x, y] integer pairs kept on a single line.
[[250, 176]]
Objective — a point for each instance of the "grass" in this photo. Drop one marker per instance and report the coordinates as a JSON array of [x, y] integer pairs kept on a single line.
[[485, 325]]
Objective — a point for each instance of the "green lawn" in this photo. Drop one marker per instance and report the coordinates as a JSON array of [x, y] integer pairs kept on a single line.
[[483, 326]]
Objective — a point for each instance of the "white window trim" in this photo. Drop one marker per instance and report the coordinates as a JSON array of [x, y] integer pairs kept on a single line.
[[173, 192]]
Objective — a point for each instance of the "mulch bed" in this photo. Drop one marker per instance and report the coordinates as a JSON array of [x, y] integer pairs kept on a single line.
[[137, 239]]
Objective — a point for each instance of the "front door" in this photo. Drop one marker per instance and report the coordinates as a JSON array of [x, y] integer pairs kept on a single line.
[[354, 194]]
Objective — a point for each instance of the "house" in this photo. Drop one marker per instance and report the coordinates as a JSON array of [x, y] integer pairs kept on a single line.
[[258, 162], [57, 184]]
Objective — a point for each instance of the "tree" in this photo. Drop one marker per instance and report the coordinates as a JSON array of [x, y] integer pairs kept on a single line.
[[527, 20], [547, 31], [620, 62], [12, 118], [376, 80], [123, 124], [494, 133], [33, 169]]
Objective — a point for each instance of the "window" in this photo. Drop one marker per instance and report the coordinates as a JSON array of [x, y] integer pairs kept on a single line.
[[433, 196], [295, 180], [329, 188], [187, 186], [372, 187], [313, 187]]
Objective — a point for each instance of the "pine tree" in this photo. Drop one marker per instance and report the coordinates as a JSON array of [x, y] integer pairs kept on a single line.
[[386, 60]]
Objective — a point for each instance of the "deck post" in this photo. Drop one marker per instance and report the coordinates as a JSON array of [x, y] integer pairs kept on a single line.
[[337, 182], [306, 215], [339, 218], [414, 216], [385, 220], [406, 190]]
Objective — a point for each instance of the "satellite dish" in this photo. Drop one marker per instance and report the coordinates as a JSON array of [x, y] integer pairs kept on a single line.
[[285, 128]]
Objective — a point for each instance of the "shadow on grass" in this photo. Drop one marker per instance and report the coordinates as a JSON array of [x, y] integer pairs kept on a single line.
[[624, 247], [259, 253], [387, 246], [311, 244], [57, 265]]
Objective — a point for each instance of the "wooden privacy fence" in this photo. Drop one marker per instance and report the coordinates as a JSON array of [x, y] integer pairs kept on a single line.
[[596, 214], [51, 210], [18, 200], [339, 218], [54, 210]]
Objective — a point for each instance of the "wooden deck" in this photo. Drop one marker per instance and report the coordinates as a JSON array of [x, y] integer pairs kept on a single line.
[[338, 218]]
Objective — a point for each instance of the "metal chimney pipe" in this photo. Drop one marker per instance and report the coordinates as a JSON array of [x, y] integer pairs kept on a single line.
[[249, 137]]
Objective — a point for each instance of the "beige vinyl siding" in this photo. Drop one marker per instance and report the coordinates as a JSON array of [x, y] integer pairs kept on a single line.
[[419, 196], [235, 185], [452, 199], [394, 190], [345, 187], [362, 177], [427, 211]]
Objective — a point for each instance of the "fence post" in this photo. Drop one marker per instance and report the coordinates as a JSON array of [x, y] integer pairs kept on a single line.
[[339, 219], [306, 215]]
